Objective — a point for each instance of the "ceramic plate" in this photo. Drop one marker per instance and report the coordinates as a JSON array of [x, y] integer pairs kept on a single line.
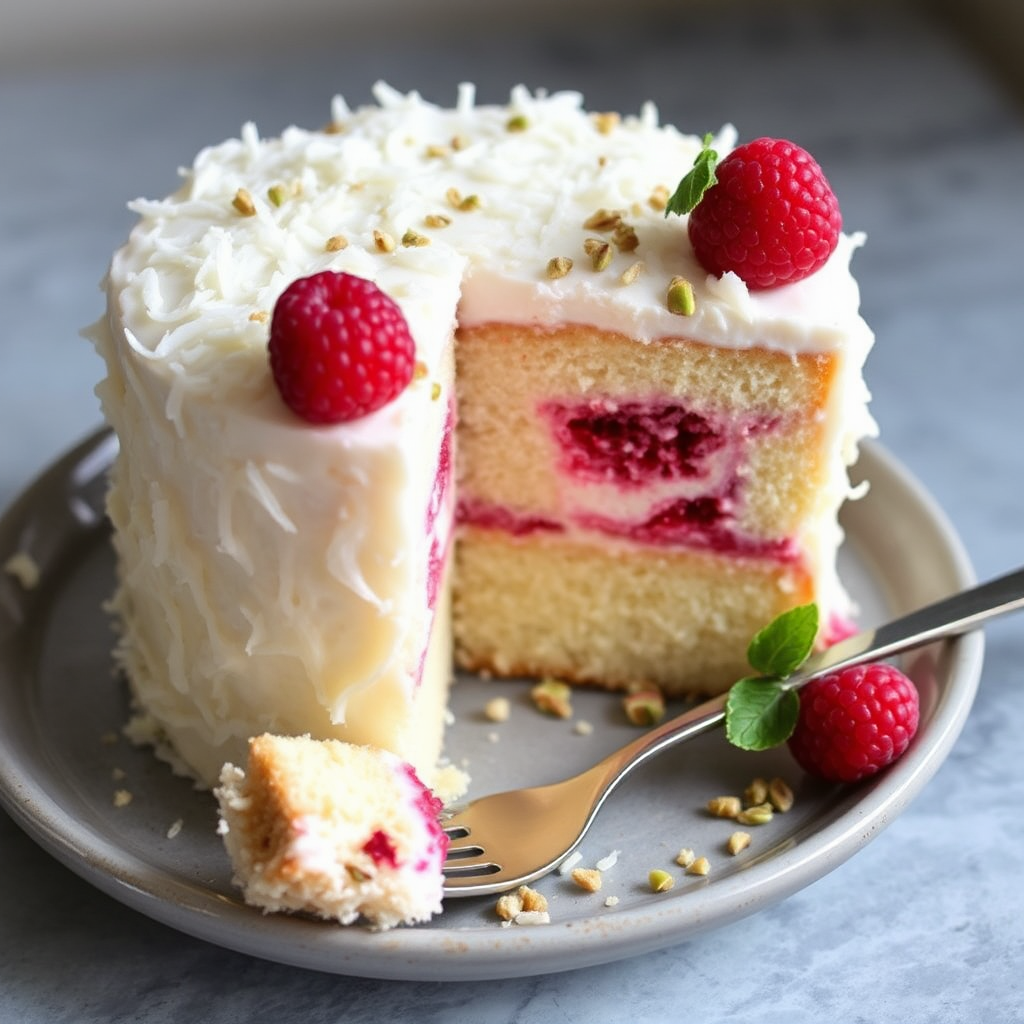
[[63, 764]]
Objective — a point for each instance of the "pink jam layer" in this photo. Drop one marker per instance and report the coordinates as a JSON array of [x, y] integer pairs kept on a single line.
[[648, 443], [632, 443], [440, 495], [700, 523], [429, 808]]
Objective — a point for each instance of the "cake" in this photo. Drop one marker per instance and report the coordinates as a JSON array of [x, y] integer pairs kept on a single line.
[[613, 489], [336, 830]]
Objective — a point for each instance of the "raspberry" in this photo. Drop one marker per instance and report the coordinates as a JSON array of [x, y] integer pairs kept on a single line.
[[771, 218], [854, 722], [339, 347]]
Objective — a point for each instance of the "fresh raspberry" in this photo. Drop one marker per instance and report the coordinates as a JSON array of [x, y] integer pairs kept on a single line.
[[771, 217], [854, 722], [339, 347]]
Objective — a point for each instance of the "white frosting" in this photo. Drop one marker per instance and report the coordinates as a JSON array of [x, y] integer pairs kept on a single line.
[[233, 629]]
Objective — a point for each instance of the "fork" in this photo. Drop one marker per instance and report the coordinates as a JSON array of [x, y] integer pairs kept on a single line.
[[492, 850]]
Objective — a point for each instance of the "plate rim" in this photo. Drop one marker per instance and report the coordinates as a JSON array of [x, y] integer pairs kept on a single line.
[[486, 953]]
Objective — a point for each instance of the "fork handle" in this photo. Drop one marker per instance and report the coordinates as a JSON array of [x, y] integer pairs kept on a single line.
[[948, 617]]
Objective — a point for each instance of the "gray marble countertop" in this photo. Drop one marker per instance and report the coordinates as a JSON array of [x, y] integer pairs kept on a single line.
[[924, 924]]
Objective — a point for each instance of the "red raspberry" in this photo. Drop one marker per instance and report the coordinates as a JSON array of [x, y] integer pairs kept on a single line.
[[339, 347], [854, 722], [771, 217]]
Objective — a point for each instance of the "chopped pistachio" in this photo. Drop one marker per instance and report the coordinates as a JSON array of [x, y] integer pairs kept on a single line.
[[625, 237], [435, 391], [413, 239], [738, 842], [459, 142], [632, 272], [724, 806], [356, 874], [701, 866], [587, 878], [334, 128], [243, 203], [660, 881], [658, 198], [552, 696], [644, 705], [336, 243], [277, 194], [606, 123], [419, 370], [383, 241], [601, 256], [759, 814], [461, 202], [122, 797], [558, 267], [685, 857], [434, 151], [517, 123], [437, 220], [531, 899], [780, 795], [756, 792], [603, 220], [680, 297]]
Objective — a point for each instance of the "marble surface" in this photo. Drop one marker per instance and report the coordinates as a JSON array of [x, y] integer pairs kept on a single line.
[[926, 155]]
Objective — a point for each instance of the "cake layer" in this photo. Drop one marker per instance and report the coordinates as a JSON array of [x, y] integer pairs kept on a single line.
[[595, 611]]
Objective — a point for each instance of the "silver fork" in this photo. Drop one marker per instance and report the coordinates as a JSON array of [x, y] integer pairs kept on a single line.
[[492, 850]]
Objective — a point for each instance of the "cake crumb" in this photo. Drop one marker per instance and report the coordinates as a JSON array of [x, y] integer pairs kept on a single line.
[[685, 857], [498, 709], [122, 797], [109, 739], [531, 899], [176, 827], [611, 901], [587, 878], [508, 906], [449, 783], [23, 567], [583, 728], [493, 736], [118, 775]]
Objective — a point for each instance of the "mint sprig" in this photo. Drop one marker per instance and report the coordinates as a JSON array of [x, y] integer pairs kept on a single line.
[[761, 711], [696, 182]]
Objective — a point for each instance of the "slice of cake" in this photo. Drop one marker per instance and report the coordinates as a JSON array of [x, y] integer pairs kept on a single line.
[[641, 483], [340, 831]]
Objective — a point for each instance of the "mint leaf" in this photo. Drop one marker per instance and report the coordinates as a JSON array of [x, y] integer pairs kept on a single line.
[[692, 187], [760, 713], [783, 645]]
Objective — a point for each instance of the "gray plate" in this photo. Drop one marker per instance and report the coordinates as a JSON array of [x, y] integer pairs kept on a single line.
[[61, 707]]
